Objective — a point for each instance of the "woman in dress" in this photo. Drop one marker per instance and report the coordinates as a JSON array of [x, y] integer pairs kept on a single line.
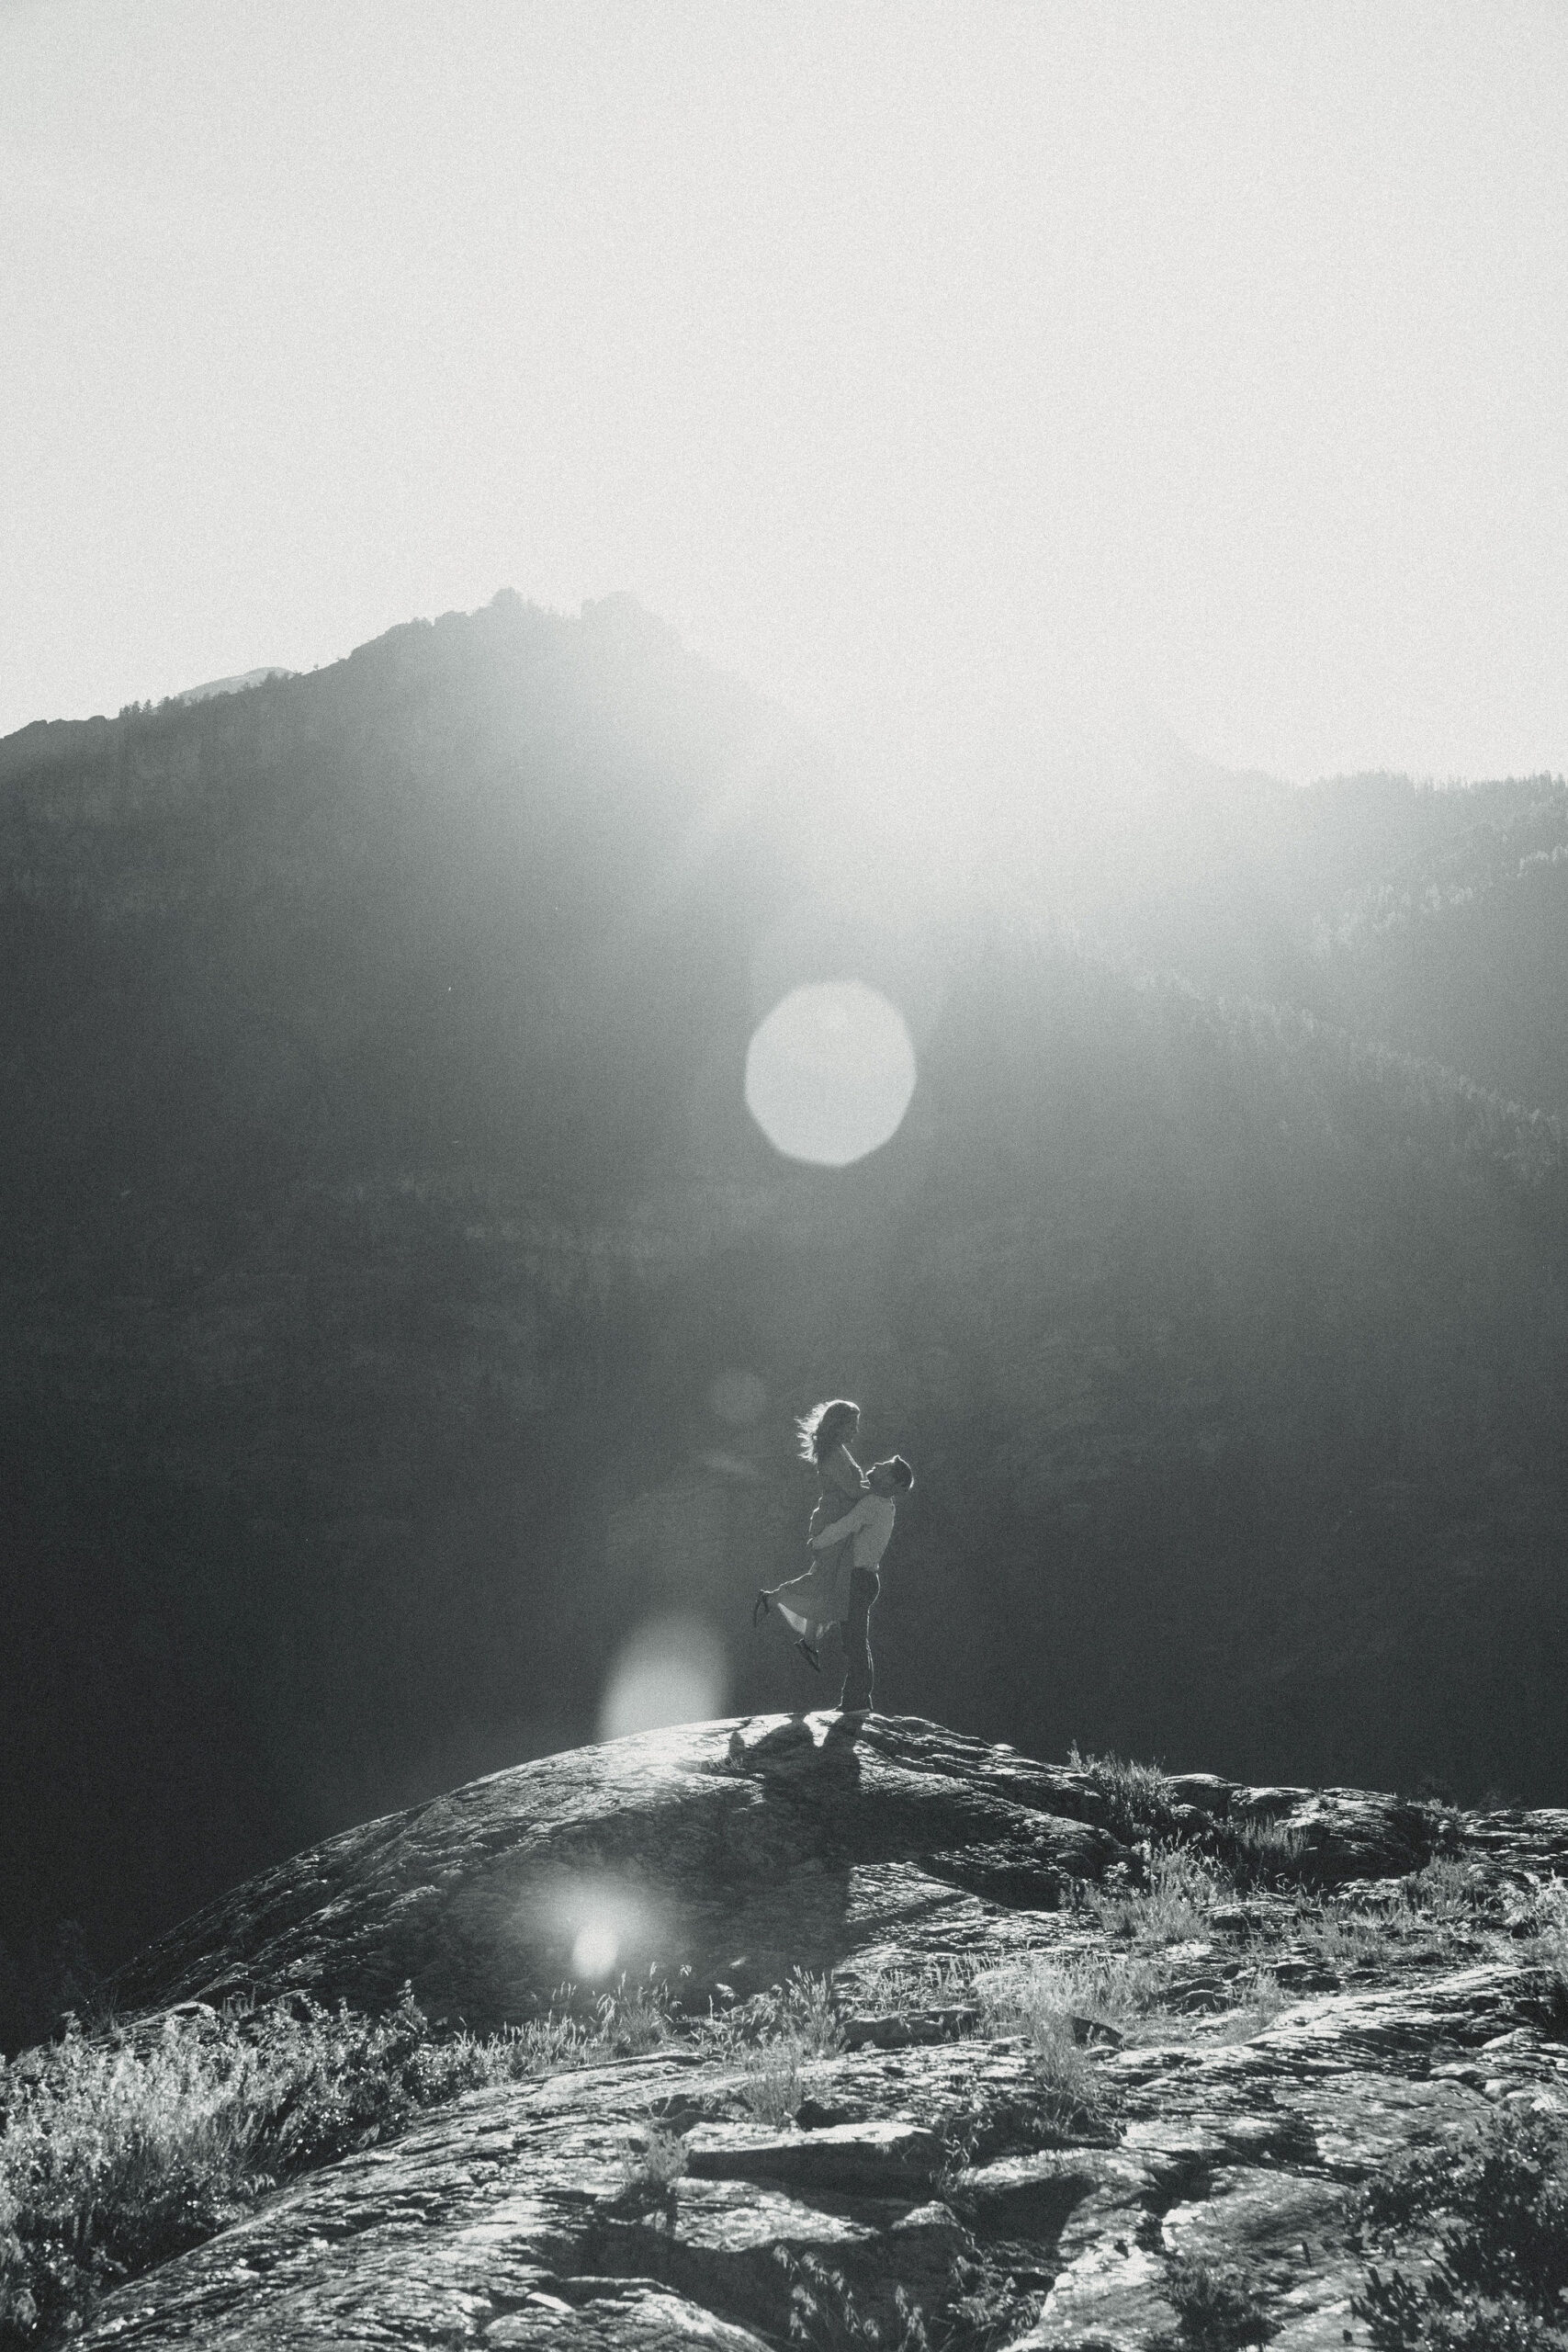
[[812, 1602]]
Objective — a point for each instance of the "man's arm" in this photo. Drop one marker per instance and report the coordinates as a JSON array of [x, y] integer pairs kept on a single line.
[[840, 1527]]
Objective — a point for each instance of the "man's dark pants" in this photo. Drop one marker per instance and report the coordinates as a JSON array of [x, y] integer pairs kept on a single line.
[[864, 1586]]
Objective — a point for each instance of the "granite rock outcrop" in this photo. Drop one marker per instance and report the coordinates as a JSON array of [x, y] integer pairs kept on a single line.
[[920, 2172]]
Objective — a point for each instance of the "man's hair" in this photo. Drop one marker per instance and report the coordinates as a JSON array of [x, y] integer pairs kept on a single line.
[[899, 1470]]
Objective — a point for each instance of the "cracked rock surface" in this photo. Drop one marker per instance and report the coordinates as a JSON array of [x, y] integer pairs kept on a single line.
[[925, 2155]]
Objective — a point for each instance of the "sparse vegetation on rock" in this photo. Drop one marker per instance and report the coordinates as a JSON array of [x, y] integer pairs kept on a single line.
[[121, 2149], [1216, 2309], [1135, 1800], [655, 2162]]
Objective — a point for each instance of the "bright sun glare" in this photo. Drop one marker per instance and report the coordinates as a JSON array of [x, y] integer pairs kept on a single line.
[[829, 1073]]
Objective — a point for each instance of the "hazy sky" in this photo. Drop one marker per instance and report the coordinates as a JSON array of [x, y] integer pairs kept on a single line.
[[924, 363]]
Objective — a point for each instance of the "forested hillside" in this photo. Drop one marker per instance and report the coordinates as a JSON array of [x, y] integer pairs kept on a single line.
[[382, 1230]]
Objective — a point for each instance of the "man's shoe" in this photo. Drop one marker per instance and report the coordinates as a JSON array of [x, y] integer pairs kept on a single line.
[[810, 1655]]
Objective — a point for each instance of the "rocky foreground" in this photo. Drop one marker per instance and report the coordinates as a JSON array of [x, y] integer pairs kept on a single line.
[[1277, 1992]]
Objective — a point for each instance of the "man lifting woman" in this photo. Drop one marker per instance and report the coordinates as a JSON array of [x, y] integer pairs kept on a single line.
[[848, 1531]]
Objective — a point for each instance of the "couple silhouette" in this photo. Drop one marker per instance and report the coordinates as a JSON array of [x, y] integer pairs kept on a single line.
[[850, 1528]]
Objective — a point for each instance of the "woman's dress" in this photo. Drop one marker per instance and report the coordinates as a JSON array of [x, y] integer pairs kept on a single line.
[[821, 1598]]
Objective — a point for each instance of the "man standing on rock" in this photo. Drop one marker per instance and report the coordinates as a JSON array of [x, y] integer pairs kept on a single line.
[[869, 1522]]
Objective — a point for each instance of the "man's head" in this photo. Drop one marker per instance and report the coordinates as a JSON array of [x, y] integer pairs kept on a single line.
[[893, 1476]]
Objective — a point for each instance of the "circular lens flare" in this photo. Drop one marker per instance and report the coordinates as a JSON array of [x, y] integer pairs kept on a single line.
[[593, 1953], [830, 1072]]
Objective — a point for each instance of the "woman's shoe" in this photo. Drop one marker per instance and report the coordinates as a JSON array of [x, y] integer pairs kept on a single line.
[[810, 1655], [760, 1607]]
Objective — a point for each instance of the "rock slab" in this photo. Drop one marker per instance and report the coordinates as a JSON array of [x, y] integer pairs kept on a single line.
[[939, 2166]]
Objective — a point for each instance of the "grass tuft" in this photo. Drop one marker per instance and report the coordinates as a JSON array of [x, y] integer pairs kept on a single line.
[[774, 2035], [654, 2164], [1048, 2000], [1547, 1928], [772, 2085], [1263, 1855], [1261, 2002], [1137, 1799], [1448, 1891], [803, 2012], [1171, 1910], [984, 2306], [1217, 2309], [635, 2016]]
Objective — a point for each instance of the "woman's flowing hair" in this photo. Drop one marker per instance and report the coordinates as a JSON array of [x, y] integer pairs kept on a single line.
[[826, 1426]]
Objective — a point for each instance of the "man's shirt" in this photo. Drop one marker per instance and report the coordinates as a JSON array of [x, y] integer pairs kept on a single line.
[[871, 1524]]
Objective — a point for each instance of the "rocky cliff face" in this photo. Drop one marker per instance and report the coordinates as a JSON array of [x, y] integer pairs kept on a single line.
[[938, 2164]]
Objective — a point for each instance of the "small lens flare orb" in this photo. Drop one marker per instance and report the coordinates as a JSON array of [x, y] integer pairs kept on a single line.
[[829, 1073], [593, 1953], [671, 1670]]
